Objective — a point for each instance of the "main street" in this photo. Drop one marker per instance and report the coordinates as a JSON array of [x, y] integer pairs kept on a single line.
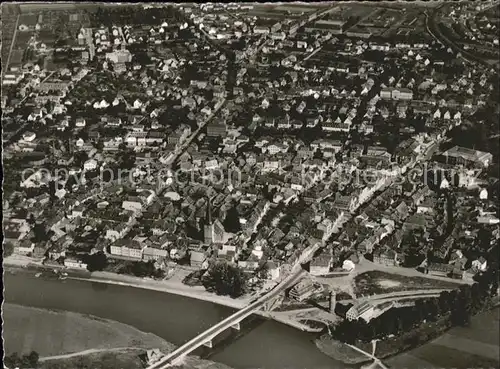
[[6, 65], [179, 150]]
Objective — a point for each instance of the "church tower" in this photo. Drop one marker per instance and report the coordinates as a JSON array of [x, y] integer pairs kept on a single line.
[[208, 228], [333, 301]]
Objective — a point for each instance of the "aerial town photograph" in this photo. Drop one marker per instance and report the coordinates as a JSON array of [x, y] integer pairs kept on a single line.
[[280, 185]]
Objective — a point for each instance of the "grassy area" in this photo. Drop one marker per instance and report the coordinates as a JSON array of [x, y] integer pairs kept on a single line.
[[56, 333], [343, 296], [377, 282], [119, 360], [388, 347], [393, 345]]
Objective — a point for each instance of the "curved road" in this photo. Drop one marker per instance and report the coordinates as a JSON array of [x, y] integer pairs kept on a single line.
[[400, 295], [88, 352]]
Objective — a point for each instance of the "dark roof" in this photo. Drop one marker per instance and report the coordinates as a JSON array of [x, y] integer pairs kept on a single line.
[[341, 309]]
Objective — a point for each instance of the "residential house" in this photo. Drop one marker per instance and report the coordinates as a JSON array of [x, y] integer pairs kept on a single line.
[[133, 203], [385, 256], [154, 253], [480, 264], [365, 311], [25, 247], [416, 221], [198, 259], [345, 203], [117, 232], [303, 290], [127, 248], [216, 129], [321, 264], [273, 270], [74, 263], [440, 270]]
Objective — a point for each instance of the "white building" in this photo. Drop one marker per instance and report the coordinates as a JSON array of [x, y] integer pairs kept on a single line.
[[73, 263], [90, 165], [364, 311], [80, 122]]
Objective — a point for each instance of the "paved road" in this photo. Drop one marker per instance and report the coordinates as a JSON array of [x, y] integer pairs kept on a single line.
[[402, 294], [88, 352], [11, 45], [366, 266], [187, 142], [376, 362], [404, 298]]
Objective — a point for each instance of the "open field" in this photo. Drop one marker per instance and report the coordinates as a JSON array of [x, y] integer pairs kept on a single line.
[[378, 282], [403, 4], [54, 333], [298, 8]]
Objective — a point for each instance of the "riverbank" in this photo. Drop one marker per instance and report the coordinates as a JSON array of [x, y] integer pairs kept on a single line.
[[175, 319], [172, 285], [51, 332], [387, 347], [199, 293], [61, 337]]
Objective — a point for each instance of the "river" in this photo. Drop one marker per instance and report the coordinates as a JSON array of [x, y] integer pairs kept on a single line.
[[261, 344]]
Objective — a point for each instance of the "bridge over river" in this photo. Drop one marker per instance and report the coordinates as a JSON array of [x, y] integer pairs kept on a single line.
[[205, 338], [233, 321]]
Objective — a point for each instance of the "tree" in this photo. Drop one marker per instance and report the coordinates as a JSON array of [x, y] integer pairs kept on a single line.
[[24, 362], [225, 279], [12, 360], [126, 159], [232, 221], [444, 301], [263, 271], [32, 359], [96, 262], [399, 324], [80, 158], [433, 309], [40, 232], [141, 269], [8, 249]]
